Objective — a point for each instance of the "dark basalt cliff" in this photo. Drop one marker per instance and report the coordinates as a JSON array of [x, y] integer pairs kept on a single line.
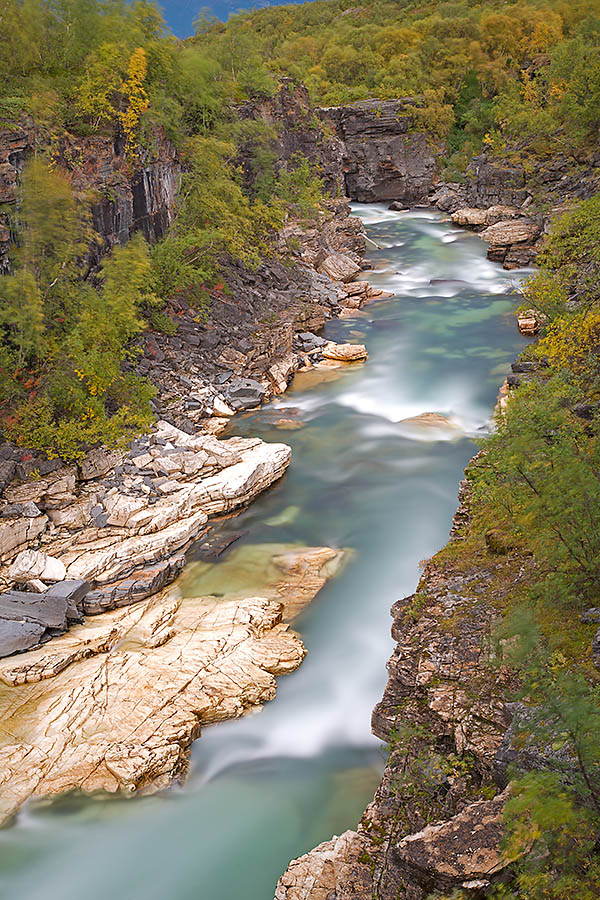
[[123, 198], [383, 155]]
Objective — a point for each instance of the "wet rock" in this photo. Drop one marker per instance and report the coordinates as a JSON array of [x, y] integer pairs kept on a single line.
[[165, 667], [345, 352], [245, 393]]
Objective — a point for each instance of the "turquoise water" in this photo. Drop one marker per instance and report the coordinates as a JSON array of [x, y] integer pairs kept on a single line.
[[268, 787]]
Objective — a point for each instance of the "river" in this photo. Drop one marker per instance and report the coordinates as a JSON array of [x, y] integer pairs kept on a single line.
[[266, 788]]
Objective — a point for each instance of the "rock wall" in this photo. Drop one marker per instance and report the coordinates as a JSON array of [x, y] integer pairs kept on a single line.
[[384, 157], [124, 198]]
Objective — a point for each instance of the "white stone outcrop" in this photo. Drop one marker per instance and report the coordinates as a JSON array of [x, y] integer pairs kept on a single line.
[[140, 682]]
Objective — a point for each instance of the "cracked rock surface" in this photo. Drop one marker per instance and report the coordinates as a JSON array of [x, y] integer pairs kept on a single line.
[[115, 703]]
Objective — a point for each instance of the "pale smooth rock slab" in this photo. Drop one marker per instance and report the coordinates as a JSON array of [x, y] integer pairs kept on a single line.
[[115, 704], [331, 870], [345, 352]]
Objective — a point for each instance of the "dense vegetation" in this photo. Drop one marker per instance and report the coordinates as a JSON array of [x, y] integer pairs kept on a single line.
[[89, 68], [536, 495], [513, 75]]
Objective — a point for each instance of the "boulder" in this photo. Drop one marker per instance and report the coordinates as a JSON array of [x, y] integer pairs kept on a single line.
[[529, 322], [345, 352], [504, 234], [98, 462], [42, 609], [220, 408], [469, 217], [339, 267], [32, 564], [464, 852], [19, 635], [245, 393]]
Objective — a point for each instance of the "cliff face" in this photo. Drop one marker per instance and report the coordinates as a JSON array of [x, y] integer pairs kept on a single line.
[[124, 198], [383, 157]]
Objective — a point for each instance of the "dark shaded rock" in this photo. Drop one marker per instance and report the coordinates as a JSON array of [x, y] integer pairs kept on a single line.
[[383, 158], [51, 612], [245, 393], [596, 649], [214, 545], [98, 462], [464, 852], [585, 411], [16, 636], [530, 743], [498, 542], [27, 509], [73, 592], [522, 366], [136, 586], [591, 616]]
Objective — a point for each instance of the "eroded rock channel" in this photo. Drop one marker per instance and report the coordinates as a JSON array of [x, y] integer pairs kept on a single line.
[[378, 449]]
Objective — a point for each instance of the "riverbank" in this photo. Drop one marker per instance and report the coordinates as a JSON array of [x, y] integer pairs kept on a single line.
[[361, 478]]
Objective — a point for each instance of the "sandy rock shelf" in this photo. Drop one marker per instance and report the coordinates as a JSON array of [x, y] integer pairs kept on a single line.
[[115, 704]]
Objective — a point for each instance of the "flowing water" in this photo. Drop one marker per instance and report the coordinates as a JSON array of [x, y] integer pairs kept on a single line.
[[268, 787]]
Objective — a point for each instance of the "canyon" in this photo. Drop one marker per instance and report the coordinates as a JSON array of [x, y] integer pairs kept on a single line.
[[121, 524]]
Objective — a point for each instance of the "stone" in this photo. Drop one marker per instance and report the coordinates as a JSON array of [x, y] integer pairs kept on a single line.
[[73, 592], [529, 321], [164, 668], [591, 616], [339, 267], [334, 869], [245, 393], [498, 542], [32, 564], [503, 234], [75, 516], [466, 848], [220, 408], [16, 636], [43, 609], [345, 352], [141, 584], [431, 420], [280, 373], [98, 462], [469, 217]]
